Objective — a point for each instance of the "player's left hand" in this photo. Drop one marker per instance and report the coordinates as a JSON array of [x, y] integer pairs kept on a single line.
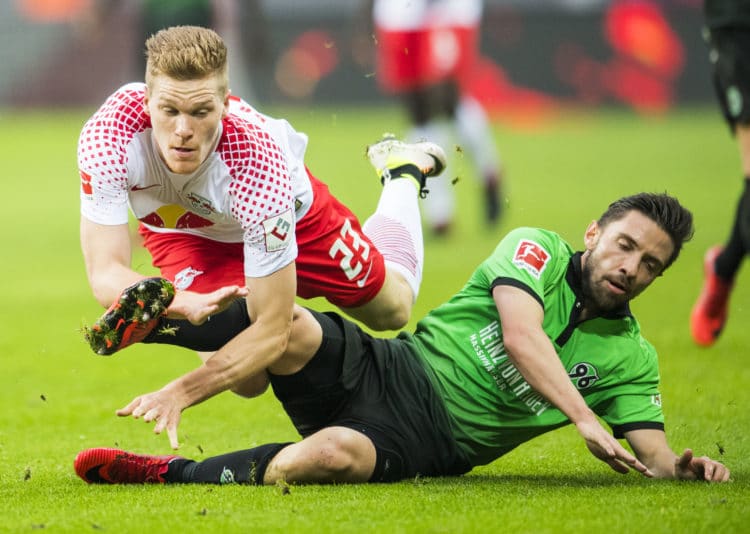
[[163, 406], [689, 467], [198, 307]]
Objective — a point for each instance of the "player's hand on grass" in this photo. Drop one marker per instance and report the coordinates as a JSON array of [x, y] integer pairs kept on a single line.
[[163, 407], [605, 447], [198, 307], [689, 467]]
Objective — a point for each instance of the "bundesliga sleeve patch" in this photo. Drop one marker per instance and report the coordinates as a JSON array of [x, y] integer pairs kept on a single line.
[[278, 231], [531, 257]]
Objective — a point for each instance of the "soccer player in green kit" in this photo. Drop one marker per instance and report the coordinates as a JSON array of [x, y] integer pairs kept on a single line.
[[539, 337]]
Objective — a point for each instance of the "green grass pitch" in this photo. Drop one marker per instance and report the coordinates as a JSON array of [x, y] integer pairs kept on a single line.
[[58, 398]]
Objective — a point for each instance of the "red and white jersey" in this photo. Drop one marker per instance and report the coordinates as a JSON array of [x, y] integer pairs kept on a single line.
[[251, 189], [424, 42], [411, 15]]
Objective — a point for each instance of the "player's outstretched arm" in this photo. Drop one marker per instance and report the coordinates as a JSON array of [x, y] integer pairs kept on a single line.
[[651, 447], [162, 407], [534, 356], [271, 308]]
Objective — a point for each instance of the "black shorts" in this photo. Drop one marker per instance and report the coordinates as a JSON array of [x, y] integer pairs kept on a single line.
[[377, 387], [730, 58]]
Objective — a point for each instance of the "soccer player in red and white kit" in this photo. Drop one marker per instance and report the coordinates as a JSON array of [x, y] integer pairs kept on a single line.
[[426, 53], [228, 209]]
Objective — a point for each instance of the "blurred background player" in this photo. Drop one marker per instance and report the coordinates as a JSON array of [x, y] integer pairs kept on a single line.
[[728, 35], [425, 52]]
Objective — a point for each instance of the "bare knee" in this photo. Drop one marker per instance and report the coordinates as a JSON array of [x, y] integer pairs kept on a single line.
[[394, 317], [390, 309], [332, 455]]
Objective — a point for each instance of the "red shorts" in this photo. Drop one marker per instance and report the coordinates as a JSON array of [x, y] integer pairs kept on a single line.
[[335, 259], [412, 59]]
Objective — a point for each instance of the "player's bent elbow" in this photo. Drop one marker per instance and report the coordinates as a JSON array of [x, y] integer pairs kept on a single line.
[[254, 386], [102, 293]]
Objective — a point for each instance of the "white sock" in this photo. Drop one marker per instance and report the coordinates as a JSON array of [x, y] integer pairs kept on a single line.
[[439, 205], [475, 134], [396, 230]]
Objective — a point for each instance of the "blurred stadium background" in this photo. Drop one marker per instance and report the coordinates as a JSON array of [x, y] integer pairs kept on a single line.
[[539, 54]]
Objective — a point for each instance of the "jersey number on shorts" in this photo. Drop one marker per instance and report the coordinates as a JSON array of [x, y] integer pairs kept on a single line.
[[353, 250]]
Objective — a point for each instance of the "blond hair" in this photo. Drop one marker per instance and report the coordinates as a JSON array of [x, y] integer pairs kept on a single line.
[[186, 53]]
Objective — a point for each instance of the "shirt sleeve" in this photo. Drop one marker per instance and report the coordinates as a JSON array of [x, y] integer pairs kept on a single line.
[[527, 258], [262, 198], [102, 155], [633, 412], [636, 402]]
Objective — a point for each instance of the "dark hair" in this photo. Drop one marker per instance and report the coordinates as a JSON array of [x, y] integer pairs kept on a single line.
[[665, 210]]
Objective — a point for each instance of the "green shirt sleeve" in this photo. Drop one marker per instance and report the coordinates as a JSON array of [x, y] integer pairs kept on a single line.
[[528, 258], [636, 401]]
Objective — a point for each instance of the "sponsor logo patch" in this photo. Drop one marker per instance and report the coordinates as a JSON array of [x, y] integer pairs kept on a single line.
[[279, 231], [184, 279], [531, 257], [200, 204]]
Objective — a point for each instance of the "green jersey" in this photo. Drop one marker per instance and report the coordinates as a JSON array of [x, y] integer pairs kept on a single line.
[[492, 408]]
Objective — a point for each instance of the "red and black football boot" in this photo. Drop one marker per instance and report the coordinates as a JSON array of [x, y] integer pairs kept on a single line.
[[132, 317], [115, 466], [710, 310]]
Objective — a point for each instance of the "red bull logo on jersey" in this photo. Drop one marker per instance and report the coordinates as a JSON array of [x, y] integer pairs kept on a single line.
[[174, 216], [86, 184], [279, 231], [531, 256]]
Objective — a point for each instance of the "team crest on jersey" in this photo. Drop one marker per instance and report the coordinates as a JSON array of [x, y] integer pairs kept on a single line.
[[86, 184], [200, 204], [184, 279], [279, 231], [583, 375], [531, 256]]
